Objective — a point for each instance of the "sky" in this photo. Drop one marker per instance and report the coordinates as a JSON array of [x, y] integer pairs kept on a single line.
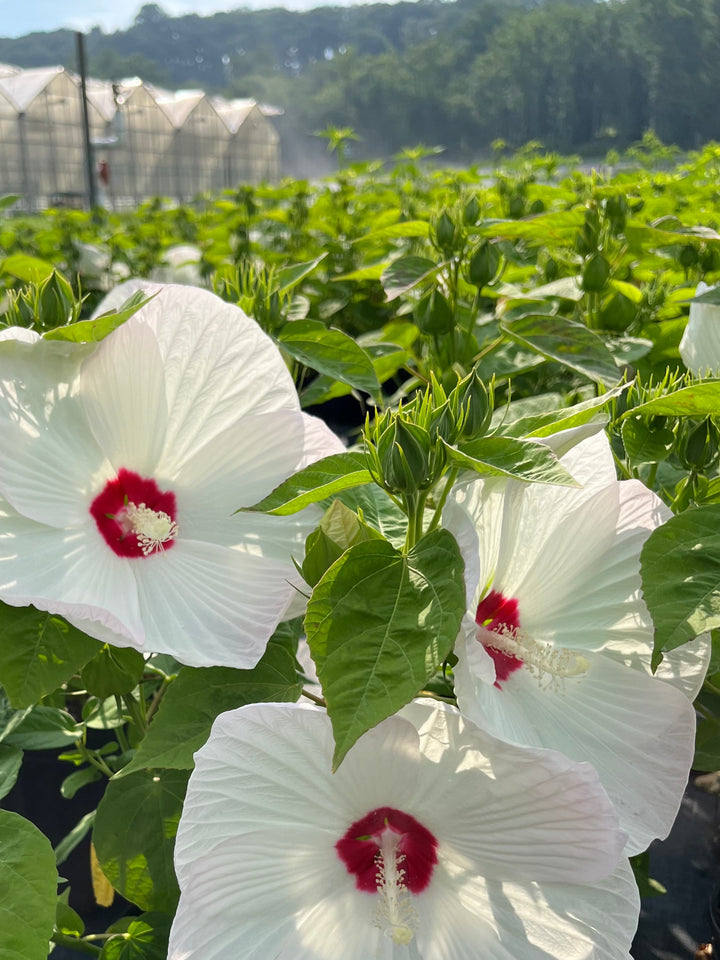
[[18, 17]]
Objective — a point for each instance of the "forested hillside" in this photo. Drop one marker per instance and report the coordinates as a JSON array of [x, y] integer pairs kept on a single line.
[[577, 75]]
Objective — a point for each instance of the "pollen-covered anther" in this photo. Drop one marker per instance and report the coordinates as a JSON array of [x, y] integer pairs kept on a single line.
[[549, 665], [395, 914], [152, 528]]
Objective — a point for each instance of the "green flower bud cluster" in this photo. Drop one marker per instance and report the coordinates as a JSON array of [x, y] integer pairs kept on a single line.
[[44, 305], [405, 447]]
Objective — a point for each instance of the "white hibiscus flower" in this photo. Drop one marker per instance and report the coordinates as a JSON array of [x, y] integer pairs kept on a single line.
[[122, 465], [700, 344], [433, 841], [556, 648]]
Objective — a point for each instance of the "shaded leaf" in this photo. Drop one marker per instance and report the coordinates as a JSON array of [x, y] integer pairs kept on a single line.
[[566, 341], [379, 624]]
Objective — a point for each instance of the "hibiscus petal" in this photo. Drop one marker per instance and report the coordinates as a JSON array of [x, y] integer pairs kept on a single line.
[[208, 605], [236, 468], [512, 812], [506, 920], [49, 456], [122, 389], [637, 732], [219, 367], [71, 573]]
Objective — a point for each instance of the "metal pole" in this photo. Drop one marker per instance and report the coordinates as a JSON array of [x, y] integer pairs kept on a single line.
[[89, 165]]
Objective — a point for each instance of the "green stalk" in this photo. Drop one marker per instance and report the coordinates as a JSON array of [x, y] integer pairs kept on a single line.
[[451, 478], [75, 943]]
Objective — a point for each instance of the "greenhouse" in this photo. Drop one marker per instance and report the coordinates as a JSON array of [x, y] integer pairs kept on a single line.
[[145, 141]]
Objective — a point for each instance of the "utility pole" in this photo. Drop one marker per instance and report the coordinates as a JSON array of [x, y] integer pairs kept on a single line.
[[89, 165]]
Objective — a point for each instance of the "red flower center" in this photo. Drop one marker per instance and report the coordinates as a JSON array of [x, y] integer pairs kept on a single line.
[[135, 516], [497, 614], [367, 841]]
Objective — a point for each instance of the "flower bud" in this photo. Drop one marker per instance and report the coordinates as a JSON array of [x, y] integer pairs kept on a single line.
[[433, 314], [471, 211], [445, 233], [405, 456], [698, 445], [477, 403], [483, 264], [596, 273], [56, 302]]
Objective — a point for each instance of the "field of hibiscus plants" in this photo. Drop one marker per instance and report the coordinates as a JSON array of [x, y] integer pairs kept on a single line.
[[359, 560]]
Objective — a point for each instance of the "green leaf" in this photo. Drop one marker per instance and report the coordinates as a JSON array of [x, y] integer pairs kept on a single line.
[[709, 296], [78, 779], [198, 694], [403, 230], [527, 460], [38, 652], [28, 889], [67, 920], [321, 479], [289, 277], [680, 569], [547, 227], [74, 838], [707, 745], [339, 529], [113, 670], [134, 836], [567, 342], [44, 728], [92, 331], [10, 763], [146, 938], [26, 268], [375, 506], [698, 400], [379, 624], [405, 273], [551, 421], [8, 200], [330, 352], [644, 443]]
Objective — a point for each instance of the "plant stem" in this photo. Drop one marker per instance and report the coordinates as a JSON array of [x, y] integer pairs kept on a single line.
[[311, 696], [75, 943], [137, 713], [451, 478], [155, 703]]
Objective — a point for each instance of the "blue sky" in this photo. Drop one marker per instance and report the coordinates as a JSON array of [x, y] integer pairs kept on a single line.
[[18, 17]]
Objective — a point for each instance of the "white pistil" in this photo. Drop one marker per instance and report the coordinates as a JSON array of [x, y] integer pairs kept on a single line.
[[395, 914], [153, 528], [549, 665]]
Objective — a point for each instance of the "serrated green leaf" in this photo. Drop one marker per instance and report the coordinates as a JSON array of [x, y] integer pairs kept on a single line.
[[134, 836], [38, 652], [28, 885], [339, 529], [567, 342], [44, 728], [26, 268], [545, 424], [698, 400], [146, 938], [405, 273], [527, 460], [324, 478], [198, 694], [289, 277], [92, 331], [644, 443], [10, 763], [330, 352], [680, 569], [113, 670], [379, 624]]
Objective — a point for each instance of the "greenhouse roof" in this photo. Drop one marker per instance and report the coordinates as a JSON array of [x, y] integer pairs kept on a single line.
[[22, 87]]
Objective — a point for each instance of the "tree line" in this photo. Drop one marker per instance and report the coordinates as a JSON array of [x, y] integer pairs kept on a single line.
[[578, 75]]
